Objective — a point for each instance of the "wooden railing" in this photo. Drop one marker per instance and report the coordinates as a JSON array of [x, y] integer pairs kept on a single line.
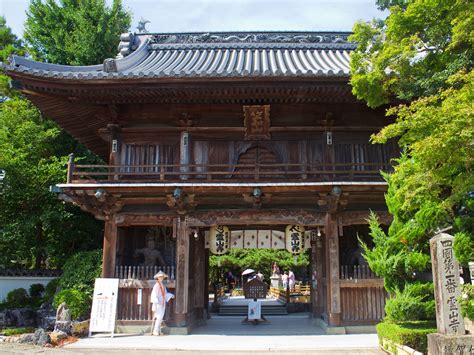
[[279, 293], [226, 172], [142, 272], [356, 272]]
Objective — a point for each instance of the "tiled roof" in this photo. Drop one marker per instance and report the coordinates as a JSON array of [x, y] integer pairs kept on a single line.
[[30, 273], [213, 55]]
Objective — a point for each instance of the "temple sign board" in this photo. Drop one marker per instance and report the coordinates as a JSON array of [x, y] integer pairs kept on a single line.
[[104, 306]]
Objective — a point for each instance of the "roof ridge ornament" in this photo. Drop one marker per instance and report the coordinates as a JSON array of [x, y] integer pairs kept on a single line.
[[141, 25], [110, 66]]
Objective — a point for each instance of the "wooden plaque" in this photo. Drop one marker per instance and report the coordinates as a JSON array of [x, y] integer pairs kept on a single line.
[[255, 289]]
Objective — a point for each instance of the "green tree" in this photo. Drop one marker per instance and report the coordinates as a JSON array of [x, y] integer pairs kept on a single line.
[[422, 53], [9, 44], [36, 229], [75, 32]]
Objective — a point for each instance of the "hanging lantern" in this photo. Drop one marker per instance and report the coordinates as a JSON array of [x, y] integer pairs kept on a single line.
[[295, 239], [219, 239]]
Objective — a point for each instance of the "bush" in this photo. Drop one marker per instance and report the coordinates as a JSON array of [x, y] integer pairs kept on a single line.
[[16, 331], [36, 290], [415, 302], [412, 334], [51, 289], [18, 298], [79, 303], [81, 270], [466, 301]]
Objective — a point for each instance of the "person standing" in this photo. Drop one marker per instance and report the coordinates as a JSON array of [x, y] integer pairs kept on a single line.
[[284, 280], [159, 297], [291, 280]]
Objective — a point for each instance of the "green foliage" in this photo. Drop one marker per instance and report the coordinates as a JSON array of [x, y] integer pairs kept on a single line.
[[412, 334], [36, 229], [385, 4], [78, 302], [51, 288], [17, 331], [9, 44], [81, 270], [17, 298], [36, 290], [75, 32], [414, 51], [466, 301], [415, 302], [237, 260]]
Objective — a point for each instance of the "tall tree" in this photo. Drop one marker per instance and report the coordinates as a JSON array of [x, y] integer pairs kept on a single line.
[[9, 44], [75, 32], [422, 57], [36, 229]]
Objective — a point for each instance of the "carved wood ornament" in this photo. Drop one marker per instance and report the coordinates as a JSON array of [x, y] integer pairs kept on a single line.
[[257, 122]]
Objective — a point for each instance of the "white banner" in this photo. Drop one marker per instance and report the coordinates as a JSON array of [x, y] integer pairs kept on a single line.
[[104, 305], [255, 310]]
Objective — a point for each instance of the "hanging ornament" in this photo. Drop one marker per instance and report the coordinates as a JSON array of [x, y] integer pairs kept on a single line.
[[219, 239], [294, 239]]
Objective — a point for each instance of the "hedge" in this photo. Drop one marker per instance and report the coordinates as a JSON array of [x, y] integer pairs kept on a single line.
[[412, 334]]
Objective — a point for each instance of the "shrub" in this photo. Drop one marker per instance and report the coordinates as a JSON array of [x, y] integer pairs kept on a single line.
[[51, 289], [466, 301], [81, 270], [16, 331], [412, 334], [18, 298], [36, 290], [78, 303], [415, 302]]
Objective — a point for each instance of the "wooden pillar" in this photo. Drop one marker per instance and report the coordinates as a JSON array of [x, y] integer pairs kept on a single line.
[[110, 248], [182, 273], [199, 277], [332, 262], [206, 281], [184, 154], [115, 147], [317, 306]]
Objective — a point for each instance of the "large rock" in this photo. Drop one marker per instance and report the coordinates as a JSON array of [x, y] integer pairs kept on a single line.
[[46, 316], [23, 317], [56, 337], [41, 337], [80, 329], [26, 338], [63, 326]]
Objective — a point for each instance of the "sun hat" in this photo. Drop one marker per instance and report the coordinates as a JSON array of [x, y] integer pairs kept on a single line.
[[160, 274]]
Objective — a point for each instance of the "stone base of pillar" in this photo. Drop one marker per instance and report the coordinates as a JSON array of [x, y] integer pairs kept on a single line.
[[441, 344], [275, 281], [334, 319]]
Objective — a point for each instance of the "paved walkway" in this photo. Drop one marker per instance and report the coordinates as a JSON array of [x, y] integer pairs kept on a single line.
[[223, 335]]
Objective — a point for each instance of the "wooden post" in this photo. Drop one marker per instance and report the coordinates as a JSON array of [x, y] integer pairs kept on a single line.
[[115, 146], [199, 278], [317, 306], [109, 249], [70, 168], [184, 155], [332, 262], [182, 273]]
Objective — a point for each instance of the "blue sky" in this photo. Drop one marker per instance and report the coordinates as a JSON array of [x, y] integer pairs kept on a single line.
[[230, 15]]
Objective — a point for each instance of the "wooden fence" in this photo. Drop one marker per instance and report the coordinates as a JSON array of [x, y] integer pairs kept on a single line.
[[356, 272], [132, 307], [362, 301]]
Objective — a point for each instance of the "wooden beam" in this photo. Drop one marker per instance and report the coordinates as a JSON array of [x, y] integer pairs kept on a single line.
[[109, 248], [199, 267]]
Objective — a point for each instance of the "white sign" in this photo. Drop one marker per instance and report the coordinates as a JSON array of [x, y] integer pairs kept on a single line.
[[104, 306], [255, 310]]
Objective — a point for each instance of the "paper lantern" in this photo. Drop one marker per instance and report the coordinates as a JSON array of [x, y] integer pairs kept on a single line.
[[219, 239], [295, 239]]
